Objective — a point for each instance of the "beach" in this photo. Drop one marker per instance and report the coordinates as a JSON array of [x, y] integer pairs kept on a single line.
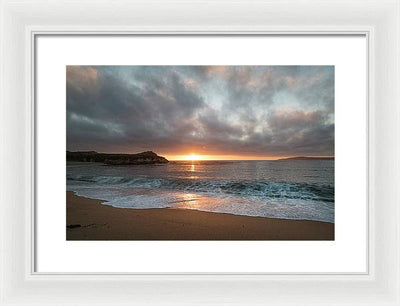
[[89, 219]]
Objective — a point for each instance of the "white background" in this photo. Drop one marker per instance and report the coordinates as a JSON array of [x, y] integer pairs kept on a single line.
[[348, 253]]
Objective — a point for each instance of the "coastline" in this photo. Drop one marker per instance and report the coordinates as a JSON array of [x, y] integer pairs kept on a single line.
[[88, 219]]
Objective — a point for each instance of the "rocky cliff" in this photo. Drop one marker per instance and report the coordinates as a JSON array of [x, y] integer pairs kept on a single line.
[[148, 157]]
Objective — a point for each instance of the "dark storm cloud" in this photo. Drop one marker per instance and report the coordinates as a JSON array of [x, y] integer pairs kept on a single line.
[[230, 110]]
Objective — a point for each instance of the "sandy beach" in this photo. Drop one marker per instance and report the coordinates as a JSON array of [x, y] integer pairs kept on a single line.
[[88, 219]]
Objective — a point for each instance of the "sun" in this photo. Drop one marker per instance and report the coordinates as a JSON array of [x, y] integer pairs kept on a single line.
[[193, 157]]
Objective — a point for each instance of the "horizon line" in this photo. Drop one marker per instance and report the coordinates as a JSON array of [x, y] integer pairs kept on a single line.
[[283, 158], [206, 157]]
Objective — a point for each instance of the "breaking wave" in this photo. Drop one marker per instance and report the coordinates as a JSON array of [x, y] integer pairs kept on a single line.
[[262, 189]]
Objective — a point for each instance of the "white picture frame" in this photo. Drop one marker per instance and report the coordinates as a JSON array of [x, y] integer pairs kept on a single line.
[[21, 21]]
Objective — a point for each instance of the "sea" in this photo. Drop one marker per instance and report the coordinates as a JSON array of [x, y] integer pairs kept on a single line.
[[287, 189]]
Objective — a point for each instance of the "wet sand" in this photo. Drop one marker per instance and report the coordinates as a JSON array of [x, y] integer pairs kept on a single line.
[[88, 219]]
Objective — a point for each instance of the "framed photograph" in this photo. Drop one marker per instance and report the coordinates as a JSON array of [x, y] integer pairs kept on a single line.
[[224, 133], [200, 153]]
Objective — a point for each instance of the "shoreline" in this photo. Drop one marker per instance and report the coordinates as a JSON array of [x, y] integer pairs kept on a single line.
[[88, 219]]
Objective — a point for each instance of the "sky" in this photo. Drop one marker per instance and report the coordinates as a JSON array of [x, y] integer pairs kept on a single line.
[[216, 112]]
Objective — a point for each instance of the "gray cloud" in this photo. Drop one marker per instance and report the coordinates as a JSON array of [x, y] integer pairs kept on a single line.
[[213, 110]]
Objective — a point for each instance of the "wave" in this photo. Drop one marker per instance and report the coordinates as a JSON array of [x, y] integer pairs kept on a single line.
[[284, 190]]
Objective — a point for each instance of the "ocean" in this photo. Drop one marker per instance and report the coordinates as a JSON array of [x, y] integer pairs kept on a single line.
[[291, 189]]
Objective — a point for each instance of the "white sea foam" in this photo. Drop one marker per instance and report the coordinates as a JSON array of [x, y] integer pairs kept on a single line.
[[300, 196]]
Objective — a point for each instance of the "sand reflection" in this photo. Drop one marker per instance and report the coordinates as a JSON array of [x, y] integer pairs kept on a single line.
[[190, 200], [196, 201]]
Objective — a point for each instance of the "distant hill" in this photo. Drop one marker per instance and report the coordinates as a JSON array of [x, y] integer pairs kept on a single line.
[[147, 157], [308, 158]]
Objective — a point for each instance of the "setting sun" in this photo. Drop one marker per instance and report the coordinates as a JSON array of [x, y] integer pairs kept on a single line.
[[194, 157]]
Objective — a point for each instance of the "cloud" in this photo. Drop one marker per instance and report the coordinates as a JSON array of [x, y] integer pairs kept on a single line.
[[228, 110]]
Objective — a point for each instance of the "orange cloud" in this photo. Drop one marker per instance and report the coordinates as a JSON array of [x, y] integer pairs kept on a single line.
[[82, 77]]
